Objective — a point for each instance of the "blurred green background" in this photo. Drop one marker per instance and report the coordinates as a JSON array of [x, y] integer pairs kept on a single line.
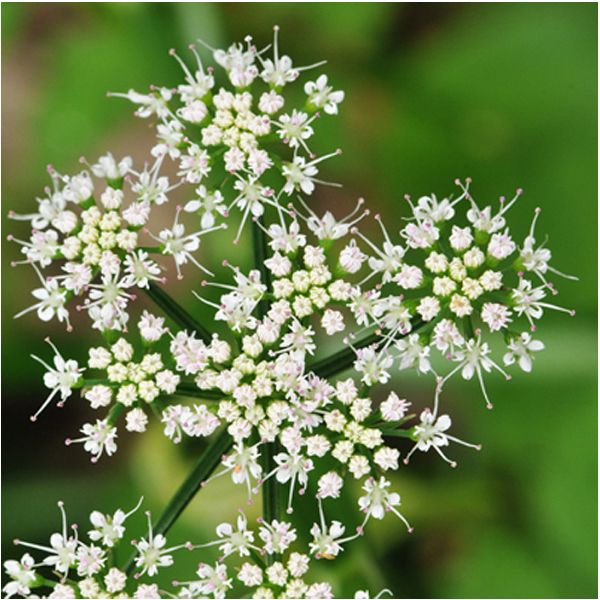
[[504, 93]]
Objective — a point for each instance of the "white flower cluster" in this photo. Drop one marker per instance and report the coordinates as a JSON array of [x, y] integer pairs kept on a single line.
[[292, 411], [87, 570]]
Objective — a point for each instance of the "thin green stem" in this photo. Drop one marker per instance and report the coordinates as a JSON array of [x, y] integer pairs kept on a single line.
[[271, 500], [176, 312], [209, 461], [191, 390], [261, 254]]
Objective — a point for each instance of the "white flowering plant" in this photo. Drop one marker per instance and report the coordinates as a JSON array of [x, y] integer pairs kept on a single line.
[[284, 415]]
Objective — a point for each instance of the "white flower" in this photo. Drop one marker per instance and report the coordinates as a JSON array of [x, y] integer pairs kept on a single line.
[[195, 164], [151, 188], [234, 159], [526, 301], [322, 96], [151, 328], [233, 540], [52, 301], [259, 161], [299, 338], [378, 501], [491, 280], [238, 63], [437, 263], [198, 84], [270, 102], [413, 354], [181, 246], [501, 245], [99, 395], [250, 575], [495, 315], [153, 103], [294, 129], [443, 286], [279, 71], [90, 560], [42, 248], [421, 235], [300, 175], [446, 337], [483, 219], [410, 277], [277, 535], [325, 542], [98, 437], [374, 365], [387, 458], [152, 553], [62, 592], [460, 306], [243, 464], [359, 466], [22, 574], [292, 466], [393, 408], [472, 358], [109, 529], [330, 485], [61, 551], [328, 228], [536, 260], [176, 418], [63, 378], [108, 167], [170, 135], [428, 308], [107, 303], [194, 111], [212, 581], [352, 258], [319, 591], [140, 269], [430, 433], [317, 445], [136, 420], [521, 349], [147, 592], [332, 321], [460, 239], [429, 208], [115, 580]]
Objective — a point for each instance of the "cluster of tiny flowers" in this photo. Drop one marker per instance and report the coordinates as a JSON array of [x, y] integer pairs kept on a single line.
[[454, 284], [92, 239], [266, 380], [71, 568]]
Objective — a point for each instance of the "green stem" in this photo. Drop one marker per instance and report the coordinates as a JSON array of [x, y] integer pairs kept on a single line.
[[177, 312], [270, 489], [191, 390], [271, 498], [192, 484], [261, 253]]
